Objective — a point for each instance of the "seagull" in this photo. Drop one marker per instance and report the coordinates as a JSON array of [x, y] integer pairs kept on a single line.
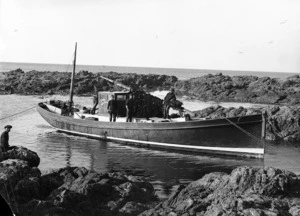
[[283, 22]]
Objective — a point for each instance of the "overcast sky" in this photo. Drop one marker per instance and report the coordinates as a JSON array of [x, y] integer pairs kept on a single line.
[[259, 35]]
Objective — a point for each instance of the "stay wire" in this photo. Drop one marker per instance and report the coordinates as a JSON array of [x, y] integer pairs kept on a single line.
[[258, 140], [18, 113]]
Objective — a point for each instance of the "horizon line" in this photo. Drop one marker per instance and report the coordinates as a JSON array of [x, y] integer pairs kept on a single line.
[[168, 68]]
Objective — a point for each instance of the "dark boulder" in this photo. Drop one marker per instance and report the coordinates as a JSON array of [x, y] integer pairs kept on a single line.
[[246, 191], [21, 153]]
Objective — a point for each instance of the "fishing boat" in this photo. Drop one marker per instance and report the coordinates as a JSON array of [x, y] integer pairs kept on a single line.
[[236, 136]]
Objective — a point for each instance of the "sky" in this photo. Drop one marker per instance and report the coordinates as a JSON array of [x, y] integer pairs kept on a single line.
[[255, 35]]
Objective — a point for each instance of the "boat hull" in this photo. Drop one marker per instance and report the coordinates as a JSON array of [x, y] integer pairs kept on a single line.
[[232, 136]]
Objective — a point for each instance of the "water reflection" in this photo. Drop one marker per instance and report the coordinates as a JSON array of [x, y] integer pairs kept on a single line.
[[164, 169]]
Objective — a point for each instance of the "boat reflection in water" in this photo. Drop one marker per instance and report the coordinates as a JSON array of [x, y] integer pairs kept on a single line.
[[165, 169]]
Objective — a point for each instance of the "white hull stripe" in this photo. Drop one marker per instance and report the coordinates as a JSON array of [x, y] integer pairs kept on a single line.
[[224, 149]]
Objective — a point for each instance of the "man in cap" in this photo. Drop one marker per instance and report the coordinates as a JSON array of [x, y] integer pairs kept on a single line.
[[4, 138]]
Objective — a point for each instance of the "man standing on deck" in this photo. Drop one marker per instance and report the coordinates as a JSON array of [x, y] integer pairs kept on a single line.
[[129, 108], [95, 103], [112, 108], [166, 104], [4, 138]]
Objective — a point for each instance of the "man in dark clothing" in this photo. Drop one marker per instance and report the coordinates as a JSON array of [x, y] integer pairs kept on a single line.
[[95, 103], [166, 104], [112, 108], [129, 108], [4, 138]]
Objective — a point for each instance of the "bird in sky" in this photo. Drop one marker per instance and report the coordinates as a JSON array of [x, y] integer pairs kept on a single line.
[[283, 22]]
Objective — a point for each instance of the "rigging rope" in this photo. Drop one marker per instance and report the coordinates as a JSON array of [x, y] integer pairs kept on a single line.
[[18, 113], [246, 132], [252, 136]]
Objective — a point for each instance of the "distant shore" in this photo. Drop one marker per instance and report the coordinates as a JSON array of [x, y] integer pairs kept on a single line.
[[218, 87]]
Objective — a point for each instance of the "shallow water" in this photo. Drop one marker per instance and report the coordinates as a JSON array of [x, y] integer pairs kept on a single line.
[[164, 169]]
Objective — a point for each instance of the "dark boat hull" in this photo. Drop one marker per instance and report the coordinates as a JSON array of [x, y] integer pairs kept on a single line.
[[217, 136]]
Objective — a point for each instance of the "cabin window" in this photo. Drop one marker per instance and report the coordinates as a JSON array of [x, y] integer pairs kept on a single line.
[[121, 97]]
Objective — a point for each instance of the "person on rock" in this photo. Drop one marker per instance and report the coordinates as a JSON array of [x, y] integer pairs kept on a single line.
[[5, 138], [166, 103]]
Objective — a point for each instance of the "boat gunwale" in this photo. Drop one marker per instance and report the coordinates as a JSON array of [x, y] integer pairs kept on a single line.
[[153, 125]]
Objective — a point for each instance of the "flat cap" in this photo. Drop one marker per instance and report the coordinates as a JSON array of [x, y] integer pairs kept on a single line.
[[7, 126]]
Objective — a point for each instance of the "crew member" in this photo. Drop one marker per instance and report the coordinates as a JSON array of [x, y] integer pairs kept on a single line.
[[129, 108], [95, 103], [166, 104], [112, 108], [4, 138]]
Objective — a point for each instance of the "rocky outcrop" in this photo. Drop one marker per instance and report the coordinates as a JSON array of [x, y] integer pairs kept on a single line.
[[85, 83], [78, 191], [210, 87], [72, 191], [21, 153], [246, 191], [252, 89], [282, 122]]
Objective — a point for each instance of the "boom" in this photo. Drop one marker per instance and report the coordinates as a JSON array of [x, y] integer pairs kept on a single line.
[[116, 83]]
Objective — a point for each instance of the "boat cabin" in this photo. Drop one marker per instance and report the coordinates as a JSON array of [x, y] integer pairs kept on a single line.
[[120, 97]]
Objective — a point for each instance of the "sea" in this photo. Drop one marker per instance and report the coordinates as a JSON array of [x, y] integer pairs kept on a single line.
[[165, 169], [178, 72]]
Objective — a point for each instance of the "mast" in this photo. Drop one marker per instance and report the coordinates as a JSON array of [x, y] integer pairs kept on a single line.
[[72, 77]]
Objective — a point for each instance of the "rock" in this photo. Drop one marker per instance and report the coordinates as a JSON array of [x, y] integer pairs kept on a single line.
[[282, 122], [221, 88], [133, 208], [18, 180], [246, 191], [21, 153], [70, 190], [87, 193], [46, 82]]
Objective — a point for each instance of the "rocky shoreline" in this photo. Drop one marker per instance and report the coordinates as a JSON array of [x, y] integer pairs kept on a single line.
[[251, 89], [245, 192], [70, 190], [218, 87], [79, 191], [85, 83]]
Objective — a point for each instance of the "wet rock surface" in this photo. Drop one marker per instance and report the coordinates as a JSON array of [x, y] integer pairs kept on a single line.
[[246, 191]]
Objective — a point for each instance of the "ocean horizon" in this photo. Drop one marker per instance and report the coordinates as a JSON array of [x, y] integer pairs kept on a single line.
[[180, 73]]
